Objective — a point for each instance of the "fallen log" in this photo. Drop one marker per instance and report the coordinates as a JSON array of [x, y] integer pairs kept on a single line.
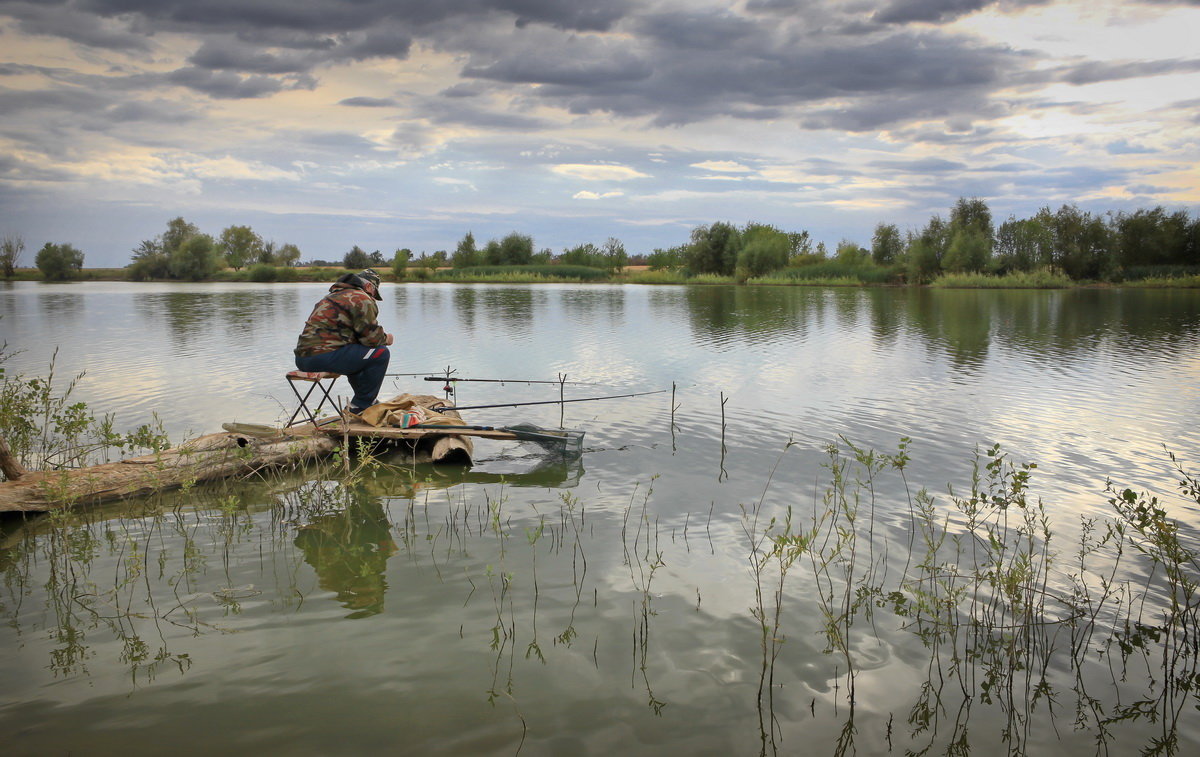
[[206, 458], [243, 450]]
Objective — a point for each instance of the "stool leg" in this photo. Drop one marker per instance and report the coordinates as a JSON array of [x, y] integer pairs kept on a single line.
[[325, 390], [302, 399]]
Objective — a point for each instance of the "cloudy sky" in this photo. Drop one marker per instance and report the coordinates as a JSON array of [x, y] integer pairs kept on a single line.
[[406, 123]]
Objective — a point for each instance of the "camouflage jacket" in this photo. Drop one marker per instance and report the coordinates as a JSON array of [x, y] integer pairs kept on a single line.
[[347, 315]]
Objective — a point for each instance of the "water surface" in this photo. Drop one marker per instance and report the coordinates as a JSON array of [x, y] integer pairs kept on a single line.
[[547, 606]]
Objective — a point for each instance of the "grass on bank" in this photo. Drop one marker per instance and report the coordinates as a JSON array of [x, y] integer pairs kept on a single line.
[[1042, 279]]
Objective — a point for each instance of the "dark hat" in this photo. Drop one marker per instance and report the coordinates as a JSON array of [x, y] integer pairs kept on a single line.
[[368, 274]]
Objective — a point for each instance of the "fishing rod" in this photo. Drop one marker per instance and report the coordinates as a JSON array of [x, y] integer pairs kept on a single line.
[[547, 402], [422, 373], [511, 381]]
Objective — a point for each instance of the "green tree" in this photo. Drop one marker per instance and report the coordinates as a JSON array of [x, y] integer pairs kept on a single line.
[[763, 249], [971, 214], [240, 246], [357, 258], [466, 254], [400, 263], [149, 261], [1082, 244], [59, 262], [178, 231], [887, 246], [614, 255], [968, 252], [196, 259], [515, 249], [490, 254], [850, 253], [288, 254], [1153, 237], [969, 239], [268, 255], [584, 254], [800, 244], [714, 249], [10, 255], [927, 250], [923, 263], [935, 238], [672, 257], [1023, 245]]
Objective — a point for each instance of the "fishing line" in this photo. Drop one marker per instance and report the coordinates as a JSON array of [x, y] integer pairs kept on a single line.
[[551, 402], [515, 381]]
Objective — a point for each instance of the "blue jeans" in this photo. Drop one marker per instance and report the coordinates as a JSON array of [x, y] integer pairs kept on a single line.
[[364, 367]]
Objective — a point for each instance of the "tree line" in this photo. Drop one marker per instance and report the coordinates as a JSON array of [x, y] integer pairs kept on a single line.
[[1071, 241], [1075, 242], [183, 252]]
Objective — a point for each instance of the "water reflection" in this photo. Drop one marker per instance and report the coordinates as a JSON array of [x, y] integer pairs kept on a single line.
[[588, 305], [62, 308], [721, 317], [965, 325], [349, 550], [959, 322], [521, 596], [466, 308], [516, 311]]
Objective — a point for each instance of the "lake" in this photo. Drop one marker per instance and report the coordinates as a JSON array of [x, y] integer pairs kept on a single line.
[[651, 595]]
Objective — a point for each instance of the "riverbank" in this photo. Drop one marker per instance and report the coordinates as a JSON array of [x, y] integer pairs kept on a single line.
[[638, 275]]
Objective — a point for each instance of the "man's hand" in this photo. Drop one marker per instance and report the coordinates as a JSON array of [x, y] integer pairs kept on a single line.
[[389, 340]]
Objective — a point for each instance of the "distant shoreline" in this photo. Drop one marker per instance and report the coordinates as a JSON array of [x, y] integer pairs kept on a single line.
[[628, 275]]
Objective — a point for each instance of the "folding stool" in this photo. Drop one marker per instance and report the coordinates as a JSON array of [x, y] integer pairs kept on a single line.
[[316, 380]]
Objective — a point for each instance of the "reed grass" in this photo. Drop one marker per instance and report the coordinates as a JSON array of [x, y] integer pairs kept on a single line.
[[777, 280], [1041, 279], [1174, 282], [663, 276], [524, 273]]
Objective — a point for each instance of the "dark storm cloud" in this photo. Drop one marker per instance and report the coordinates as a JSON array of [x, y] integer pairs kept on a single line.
[[905, 11], [325, 15], [823, 64], [595, 71], [61, 100], [220, 55], [16, 169], [369, 102], [872, 114], [148, 113], [461, 111], [1098, 71], [923, 166], [232, 86], [66, 20], [679, 79], [940, 11]]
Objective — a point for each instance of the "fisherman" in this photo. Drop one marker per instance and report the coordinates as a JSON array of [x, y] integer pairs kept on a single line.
[[343, 335]]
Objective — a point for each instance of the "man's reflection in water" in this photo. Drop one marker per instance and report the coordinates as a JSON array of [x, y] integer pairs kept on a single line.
[[349, 551]]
